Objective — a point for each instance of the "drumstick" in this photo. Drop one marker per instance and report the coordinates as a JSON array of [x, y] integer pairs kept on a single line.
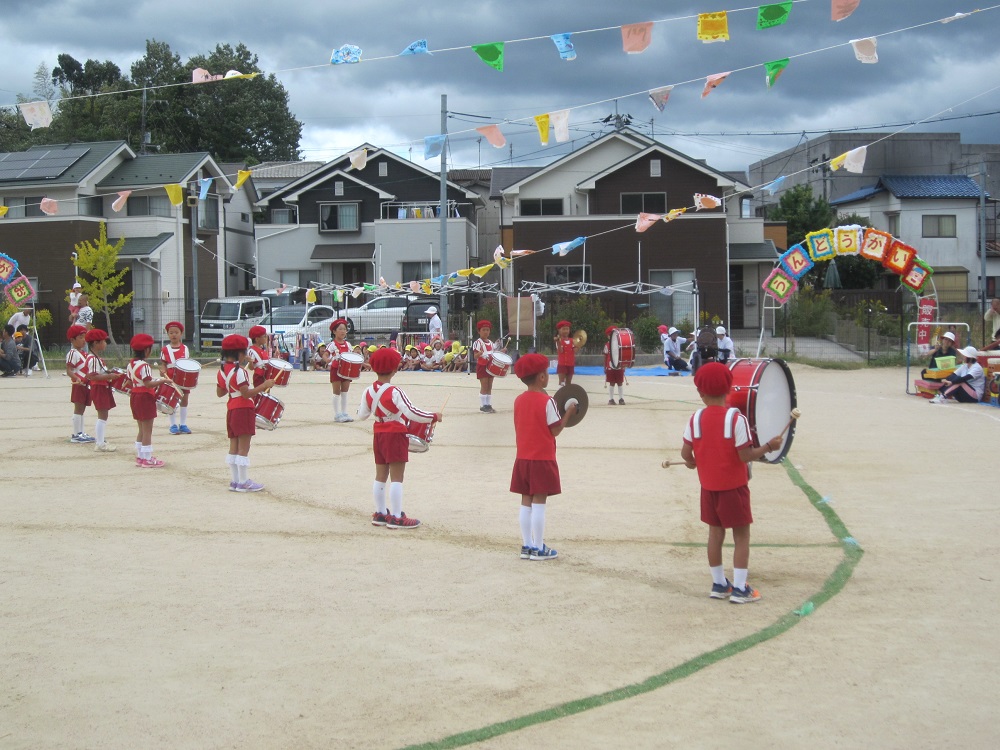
[[794, 415], [445, 403]]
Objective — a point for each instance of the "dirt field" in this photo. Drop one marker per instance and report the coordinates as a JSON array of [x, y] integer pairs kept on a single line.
[[157, 609]]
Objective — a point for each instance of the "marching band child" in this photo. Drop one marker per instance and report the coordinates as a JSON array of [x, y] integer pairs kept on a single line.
[[717, 443], [566, 349], [257, 354], [100, 387], [536, 473], [76, 368], [340, 385], [612, 376], [481, 350], [392, 412], [143, 400], [169, 354], [241, 418]]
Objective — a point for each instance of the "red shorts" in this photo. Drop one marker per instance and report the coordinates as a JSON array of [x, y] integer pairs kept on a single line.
[[726, 508], [102, 397], [614, 377], [258, 376], [481, 368], [391, 448], [535, 477], [565, 370], [335, 378], [241, 421], [80, 395], [143, 406]]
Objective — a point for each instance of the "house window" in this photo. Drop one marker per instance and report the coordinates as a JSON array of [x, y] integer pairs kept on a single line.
[[148, 205], [282, 215], [567, 274], [338, 188], [208, 213], [892, 220], [654, 168], [15, 208], [939, 226], [649, 203], [383, 169], [338, 217], [245, 218], [541, 207], [677, 307], [289, 278], [33, 208], [418, 271], [90, 205]]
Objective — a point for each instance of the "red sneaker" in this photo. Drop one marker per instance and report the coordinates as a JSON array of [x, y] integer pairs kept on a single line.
[[402, 522], [380, 519]]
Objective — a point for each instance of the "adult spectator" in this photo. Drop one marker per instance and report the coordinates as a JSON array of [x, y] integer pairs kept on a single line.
[[10, 362], [946, 348], [724, 344], [967, 383], [672, 344], [20, 318], [992, 324], [434, 327], [85, 315]]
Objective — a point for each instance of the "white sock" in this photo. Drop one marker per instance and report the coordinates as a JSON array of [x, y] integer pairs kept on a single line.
[[99, 431], [396, 498], [336, 404], [234, 473], [718, 574], [739, 578], [483, 399], [243, 469], [77, 424], [378, 494], [138, 449], [173, 419], [146, 451], [184, 415], [621, 391], [489, 399], [343, 403], [525, 519], [538, 525]]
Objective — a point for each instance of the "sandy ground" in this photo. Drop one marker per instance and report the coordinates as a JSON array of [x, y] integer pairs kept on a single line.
[[156, 609]]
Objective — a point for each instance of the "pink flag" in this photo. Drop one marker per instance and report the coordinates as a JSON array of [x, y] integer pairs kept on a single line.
[[493, 135], [119, 203], [560, 124], [415, 287], [705, 201], [200, 75], [637, 36], [645, 221], [659, 96], [712, 82], [49, 207], [520, 253], [841, 9]]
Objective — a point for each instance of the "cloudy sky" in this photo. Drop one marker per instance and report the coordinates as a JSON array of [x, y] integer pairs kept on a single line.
[[933, 71]]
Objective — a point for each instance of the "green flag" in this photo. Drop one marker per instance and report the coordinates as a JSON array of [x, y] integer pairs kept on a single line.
[[491, 54], [775, 14], [774, 69]]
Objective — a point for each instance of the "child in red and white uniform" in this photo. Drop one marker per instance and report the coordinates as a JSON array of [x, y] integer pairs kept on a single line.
[[169, 354], [566, 351], [241, 418], [717, 442], [612, 376], [257, 354], [392, 412], [341, 386], [536, 474], [481, 350], [143, 400], [100, 387], [76, 368]]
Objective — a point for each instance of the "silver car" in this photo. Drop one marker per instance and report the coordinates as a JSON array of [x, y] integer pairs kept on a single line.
[[291, 320]]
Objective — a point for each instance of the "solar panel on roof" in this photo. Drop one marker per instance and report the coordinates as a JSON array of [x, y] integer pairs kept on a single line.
[[33, 165]]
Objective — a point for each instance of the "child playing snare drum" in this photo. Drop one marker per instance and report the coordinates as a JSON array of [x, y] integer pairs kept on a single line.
[[100, 387], [169, 354], [340, 385], [481, 349], [257, 354], [76, 368], [143, 400]]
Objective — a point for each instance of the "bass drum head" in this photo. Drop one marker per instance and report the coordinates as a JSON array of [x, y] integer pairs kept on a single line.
[[773, 406]]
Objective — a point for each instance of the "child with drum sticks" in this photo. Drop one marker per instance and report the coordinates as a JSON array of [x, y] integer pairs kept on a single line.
[[338, 347], [100, 388], [566, 347], [169, 354], [76, 369], [482, 348], [392, 412], [234, 382], [612, 376], [143, 400], [257, 354]]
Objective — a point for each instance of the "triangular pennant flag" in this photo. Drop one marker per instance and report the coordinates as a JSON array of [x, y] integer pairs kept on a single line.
[[418, 47], [358, 158], [775, 14], [659, 96], [238, 74], [773, 69], [493, 135], [176, 193], [865, 50], [465, 272], [206, 185], [49, 207], [673, 214], [414, 287], [356, 292], [491, 54], [497, 253], [438, 280], [482, 270], [542, 123], [521, 253], [3, 211], [346, 55], [120, 201], [712, 82], [705, 201], [434, 145], [841, 9], [36, 114], [560, 124], [772, 187], [381, 282], [242, 176], [397, 285], [713, 27], [452, 277], [311, 296], [566, 49], [562, 248], [200, 75], [852, 161], [426, 286], [645, 221], [636, 37]]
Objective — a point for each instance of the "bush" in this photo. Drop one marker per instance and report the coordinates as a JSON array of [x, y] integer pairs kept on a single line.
[[810, 313], [646, 333], [582, 312]]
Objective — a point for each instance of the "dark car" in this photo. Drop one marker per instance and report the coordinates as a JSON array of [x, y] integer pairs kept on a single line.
[[416, 318]]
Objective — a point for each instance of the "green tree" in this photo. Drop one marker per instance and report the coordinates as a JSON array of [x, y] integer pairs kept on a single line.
[[99, 260], [802, 212]]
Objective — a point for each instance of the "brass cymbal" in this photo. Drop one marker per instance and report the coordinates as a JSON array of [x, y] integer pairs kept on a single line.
[[580, 338], [574, 391]]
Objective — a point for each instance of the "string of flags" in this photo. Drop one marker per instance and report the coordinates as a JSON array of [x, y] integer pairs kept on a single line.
[[16, 287]]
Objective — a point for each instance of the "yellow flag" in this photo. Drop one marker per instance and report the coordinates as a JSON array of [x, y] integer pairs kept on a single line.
[[175, 193], [242, 176], [466, 272], [427, 286], [837, 162], [483, 270], [542, 123], [3, 210], [311, 296]]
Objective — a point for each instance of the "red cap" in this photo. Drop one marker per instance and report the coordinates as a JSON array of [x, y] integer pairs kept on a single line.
[[337, 322], [74, 331], [234, 342], [484, 324], [562, 324], [713, 379], [173, 324], [530, 364], [384, 361], [257, 331], [662, 329], [141, 342], [96, 334], [609, 330]]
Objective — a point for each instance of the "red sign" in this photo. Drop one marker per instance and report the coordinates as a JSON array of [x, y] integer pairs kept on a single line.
[[926, 312]]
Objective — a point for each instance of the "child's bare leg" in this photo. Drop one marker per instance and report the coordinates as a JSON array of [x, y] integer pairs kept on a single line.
[[741, 540], [381, 472], [716, 537], [242, 445]]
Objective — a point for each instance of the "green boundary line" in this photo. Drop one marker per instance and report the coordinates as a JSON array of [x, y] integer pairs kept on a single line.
[[830, 588]]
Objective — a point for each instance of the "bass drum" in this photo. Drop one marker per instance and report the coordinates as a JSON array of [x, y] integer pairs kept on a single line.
[[764, 391]]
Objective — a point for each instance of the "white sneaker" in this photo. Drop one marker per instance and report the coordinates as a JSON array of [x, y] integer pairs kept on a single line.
[[938, 399], [105, 448], [27, 373]]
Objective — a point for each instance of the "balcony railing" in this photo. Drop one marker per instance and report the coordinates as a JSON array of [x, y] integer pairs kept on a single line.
[[424, 210]]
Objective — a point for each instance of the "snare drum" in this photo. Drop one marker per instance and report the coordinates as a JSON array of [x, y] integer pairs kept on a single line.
[[122, 382], [622, 348], [349, 366], [185, 374], [277, 370], [498, 364], [764, 391], [167, 398], [420, 436], [268, 410]]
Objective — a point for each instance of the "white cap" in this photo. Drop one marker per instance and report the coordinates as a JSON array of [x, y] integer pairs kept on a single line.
[[970, 351], [672, 331], [948, 335], [721, 330], [78, 285], [431, 310]]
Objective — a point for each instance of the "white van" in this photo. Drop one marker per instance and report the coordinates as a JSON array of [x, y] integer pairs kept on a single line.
[[226, 315]]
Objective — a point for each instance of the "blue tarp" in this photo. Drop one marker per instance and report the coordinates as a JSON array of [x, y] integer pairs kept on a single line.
[[630, 372]]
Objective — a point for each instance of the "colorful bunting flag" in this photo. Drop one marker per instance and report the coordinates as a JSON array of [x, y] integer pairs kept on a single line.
[[482, 270], [348, 54], [775, 14], [19, 291], [426, 286], [521, 253], [875, 243], [772, 187], [36, 114], [311, 296], [356, 292], [358, 158], [560, 124], [3, 211], [866, 50], [238, 74], [673, 214], [774, 69], [176, 193], [852, 161], [565, 47], [562, 248], [659, 96], [418, 47], [414, 287], [121, 200], [780, 285], [206, 185], [465, 272], [434, 145], [49, 207], [644, 221], [713, 27], [8, 268], [841, 9], [821, 245], [542, 123], [242, 175], [636, 37], [398, 285], [381, 282], [955, 17], [491, 54], [796, 261], [493, 135], [712, 82], [705, 201], [200, 75]]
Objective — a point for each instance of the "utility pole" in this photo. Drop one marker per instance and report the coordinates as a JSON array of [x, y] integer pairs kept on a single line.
[[982, 237], [192, 202], [443, 198]]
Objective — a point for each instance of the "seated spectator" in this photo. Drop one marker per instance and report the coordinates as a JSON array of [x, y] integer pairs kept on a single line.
[[321, 359], [991, 321], [427, 363], [367, 353], [946, 348], [967, 383], [10, 362], [26, 349], [411, 359], [461, 360]]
